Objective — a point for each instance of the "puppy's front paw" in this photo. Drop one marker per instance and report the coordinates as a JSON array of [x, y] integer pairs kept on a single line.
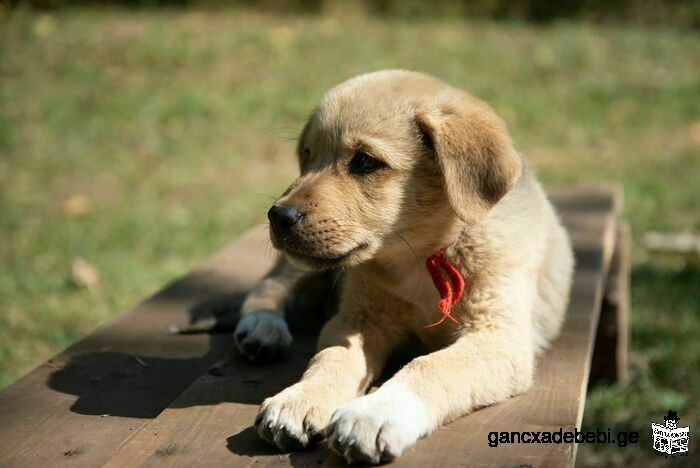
[[376, 428], [262, 336], [293, 419]]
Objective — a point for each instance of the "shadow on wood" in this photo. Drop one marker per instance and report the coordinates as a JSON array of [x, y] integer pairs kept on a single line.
[[141, 383]]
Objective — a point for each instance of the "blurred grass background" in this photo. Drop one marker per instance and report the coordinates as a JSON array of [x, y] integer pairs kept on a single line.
[[142, 140]]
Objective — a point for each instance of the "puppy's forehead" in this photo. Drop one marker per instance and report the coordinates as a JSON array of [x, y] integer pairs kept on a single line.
[[340, 114], [374, 102]]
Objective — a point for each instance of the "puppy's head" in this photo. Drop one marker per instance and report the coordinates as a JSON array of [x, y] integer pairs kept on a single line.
[[391, 161]]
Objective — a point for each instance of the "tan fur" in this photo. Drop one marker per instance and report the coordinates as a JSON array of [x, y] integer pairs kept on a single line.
[[453, 179]]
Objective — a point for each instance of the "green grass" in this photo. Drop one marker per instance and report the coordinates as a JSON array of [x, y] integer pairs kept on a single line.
[[177, 128]]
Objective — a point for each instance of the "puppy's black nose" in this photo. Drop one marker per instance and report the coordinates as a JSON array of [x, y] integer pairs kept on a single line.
[[283, 217]]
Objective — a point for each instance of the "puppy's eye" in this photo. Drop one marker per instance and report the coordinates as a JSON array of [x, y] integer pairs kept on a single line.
[[306, 152], [362, 163]]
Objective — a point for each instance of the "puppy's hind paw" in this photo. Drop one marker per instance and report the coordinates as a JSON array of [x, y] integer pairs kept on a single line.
[[262, 336]]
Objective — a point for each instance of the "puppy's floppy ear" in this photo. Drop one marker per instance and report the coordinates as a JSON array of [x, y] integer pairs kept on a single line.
[[474, 151]]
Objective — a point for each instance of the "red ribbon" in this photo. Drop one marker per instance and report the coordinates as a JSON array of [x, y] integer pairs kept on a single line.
[[450, 291]]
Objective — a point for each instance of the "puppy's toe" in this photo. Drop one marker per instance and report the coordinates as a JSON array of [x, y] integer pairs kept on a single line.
[[377, 428], [262, 336], [291, 421], [388, 444]]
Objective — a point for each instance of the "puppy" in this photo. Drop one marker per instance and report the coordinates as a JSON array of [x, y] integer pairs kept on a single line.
[[450, 246]]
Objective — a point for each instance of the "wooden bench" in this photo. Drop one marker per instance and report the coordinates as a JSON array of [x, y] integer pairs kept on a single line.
[[132, 393]]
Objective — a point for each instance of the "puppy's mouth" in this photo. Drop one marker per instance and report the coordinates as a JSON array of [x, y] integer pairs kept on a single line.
[[323, 262]]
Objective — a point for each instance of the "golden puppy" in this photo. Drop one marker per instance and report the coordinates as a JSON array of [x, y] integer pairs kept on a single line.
[[415, 189]]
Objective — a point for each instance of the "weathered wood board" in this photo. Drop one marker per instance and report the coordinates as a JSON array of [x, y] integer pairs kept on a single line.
[[80, 406], [194, 404]]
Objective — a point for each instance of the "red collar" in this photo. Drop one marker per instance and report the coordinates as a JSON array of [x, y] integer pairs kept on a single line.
[[450, 291]]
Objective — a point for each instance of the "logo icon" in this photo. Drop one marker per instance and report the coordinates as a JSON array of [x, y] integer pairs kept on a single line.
[[670, 439]]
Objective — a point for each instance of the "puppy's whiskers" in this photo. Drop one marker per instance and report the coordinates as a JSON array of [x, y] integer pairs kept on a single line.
[[418, 260]]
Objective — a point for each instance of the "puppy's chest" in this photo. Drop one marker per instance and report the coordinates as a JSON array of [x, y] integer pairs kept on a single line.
[[418, 291]]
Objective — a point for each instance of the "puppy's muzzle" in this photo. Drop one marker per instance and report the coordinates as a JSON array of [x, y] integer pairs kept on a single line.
[[316, 243], [283, 218]]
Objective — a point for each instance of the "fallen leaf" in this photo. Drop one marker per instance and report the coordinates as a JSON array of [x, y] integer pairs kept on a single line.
[[45, 26], [85, 275], [77, 206], [281, 37], [694, 132]]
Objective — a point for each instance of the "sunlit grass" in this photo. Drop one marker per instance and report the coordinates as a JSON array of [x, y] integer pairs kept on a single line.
[[178, 127]]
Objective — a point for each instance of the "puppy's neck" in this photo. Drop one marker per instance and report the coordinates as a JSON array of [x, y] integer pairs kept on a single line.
[[401, 270], [405, 256]]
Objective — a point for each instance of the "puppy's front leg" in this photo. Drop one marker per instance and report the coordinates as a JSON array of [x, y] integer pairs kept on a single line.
[[262, 332], [352, 353], [479, 369]]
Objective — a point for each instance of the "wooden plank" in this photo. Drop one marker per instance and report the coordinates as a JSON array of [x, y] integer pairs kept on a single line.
[[210, 423], [83, 404], [610, 353]]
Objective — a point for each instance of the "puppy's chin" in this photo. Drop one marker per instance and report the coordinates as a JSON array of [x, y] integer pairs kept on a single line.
[[310, 262]]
